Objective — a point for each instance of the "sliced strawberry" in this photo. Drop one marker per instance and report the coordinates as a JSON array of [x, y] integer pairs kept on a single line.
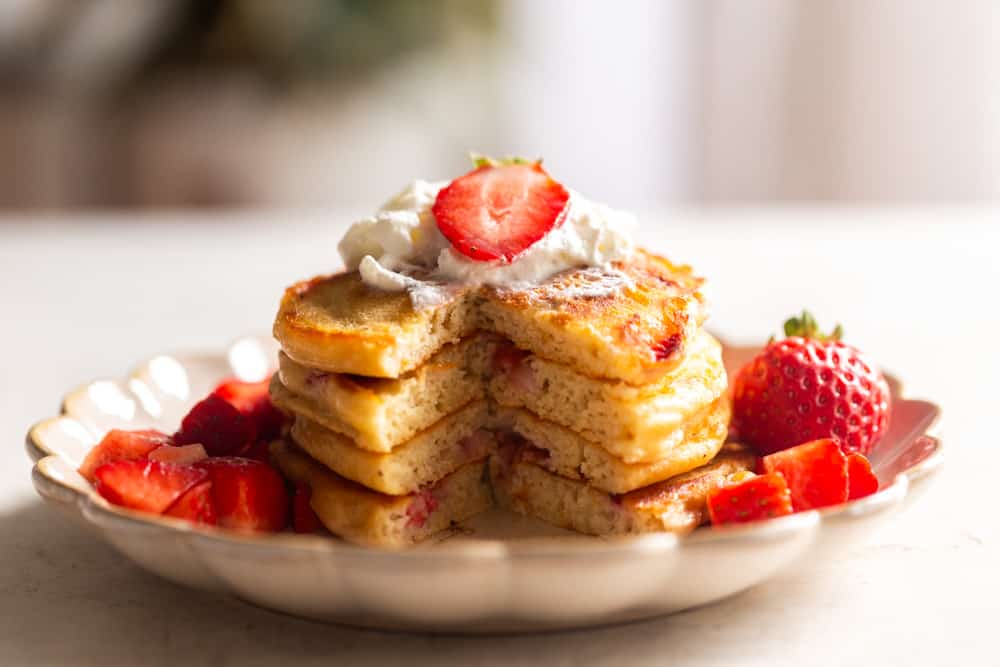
[[304, 519], [120, 445], [196, 505], [178, 454], [249, 495], [760, 497], [149, 486], [497, 211], [218, 426], [861, 481], [254, 400], [816, 473]]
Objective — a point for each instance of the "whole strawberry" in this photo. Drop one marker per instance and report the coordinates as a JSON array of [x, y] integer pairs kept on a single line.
[[810, 386]]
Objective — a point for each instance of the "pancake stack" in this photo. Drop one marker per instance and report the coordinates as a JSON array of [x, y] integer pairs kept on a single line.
[[594, 401]]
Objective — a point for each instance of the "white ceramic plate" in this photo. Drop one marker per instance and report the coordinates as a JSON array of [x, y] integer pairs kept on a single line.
[[498, 573]]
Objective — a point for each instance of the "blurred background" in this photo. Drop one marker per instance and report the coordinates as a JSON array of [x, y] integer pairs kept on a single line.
[[302, 103]]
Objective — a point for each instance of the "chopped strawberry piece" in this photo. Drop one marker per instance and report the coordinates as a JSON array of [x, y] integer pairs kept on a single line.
[[861, 481], [196, 505], [477, 444], [420, 508], [120, 445], [513, 363], [760, 497], [218, 426], [816, 473], [254, 400], [506, 358], [149, 486], [178, 454], [249, 495], [304, 519], [497, 211]]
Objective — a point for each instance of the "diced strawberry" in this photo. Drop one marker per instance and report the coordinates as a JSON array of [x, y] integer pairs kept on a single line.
[[522, 379], [816, 473], [254, 400], [506, 357], [477, 444], [861, 480], [760, 497], [218, 426], [304, 519], [178, 454], [144, 485], [249, 495], [196, 505], [420, 508], [512, 362], [497, 211], [120, 445]]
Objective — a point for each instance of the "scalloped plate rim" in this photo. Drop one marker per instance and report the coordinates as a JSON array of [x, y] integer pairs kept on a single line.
[[497, 548]]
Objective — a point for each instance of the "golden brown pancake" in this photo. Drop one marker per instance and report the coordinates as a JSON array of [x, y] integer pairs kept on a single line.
[[339, 324], [635, 424], [427, 457], [629, 322], [608, 399], [571, 455], [368, 517], [381, 413], [674, 505]]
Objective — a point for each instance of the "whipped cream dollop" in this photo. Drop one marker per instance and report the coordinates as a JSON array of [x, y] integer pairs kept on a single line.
[[401, 248]]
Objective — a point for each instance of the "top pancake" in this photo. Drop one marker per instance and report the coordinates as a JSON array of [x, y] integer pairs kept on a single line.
[[631, 322], [339, 324]]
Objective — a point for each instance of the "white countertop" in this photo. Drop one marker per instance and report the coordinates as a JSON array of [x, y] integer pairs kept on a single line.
[[89, 296]]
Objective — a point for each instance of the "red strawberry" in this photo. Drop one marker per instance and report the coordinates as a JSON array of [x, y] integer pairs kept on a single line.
[[178, 454], [248, 495], [254, 400], [304, 519], [807, 387], [149, 486], [196, 505], [760, 497], [499, 209], [217, 425], [120, 445], [512, 362], [420, 508], [816, 473], [861, 481]]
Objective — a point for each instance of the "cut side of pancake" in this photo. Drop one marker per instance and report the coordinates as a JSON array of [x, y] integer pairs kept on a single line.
[[339, 324], [380, 413], [367, 517], [631, 321], [675, 505], [570, 455], [430, 455], [635, 424]]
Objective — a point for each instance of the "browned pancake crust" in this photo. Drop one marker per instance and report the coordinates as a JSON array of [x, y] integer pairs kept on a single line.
[[647, 324], [631, 323], [337, 323], [691, 488]]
